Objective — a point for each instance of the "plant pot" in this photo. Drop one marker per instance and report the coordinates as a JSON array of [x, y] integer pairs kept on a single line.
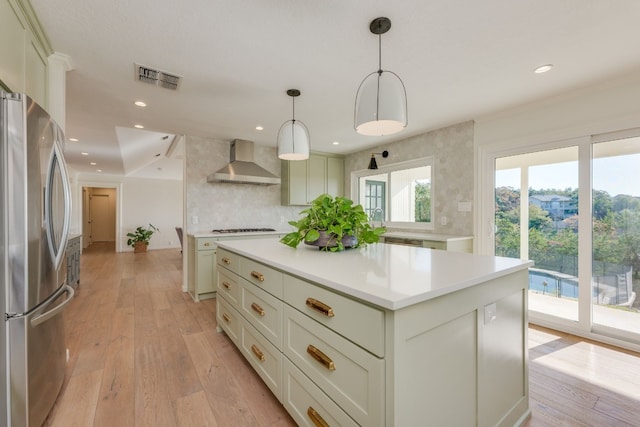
[[328, 240], [139, 247]]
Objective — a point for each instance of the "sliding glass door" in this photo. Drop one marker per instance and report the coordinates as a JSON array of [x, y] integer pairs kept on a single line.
[[575, 211], [616, 235], [541, 224]]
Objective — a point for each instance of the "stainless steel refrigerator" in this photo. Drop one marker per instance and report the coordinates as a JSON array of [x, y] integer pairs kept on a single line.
[[35, 203]]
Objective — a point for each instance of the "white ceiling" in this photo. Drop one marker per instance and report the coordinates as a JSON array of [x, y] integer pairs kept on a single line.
[[459, 60]]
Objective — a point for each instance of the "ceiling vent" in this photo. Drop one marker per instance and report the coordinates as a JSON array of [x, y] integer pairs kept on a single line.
[[156, 77]]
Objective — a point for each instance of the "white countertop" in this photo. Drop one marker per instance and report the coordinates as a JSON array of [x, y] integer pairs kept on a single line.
[[425, 236], [389, 276]]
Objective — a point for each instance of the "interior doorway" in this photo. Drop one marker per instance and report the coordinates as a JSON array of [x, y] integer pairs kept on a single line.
[[98, 215]]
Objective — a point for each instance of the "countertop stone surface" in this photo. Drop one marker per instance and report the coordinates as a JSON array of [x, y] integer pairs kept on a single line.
[[385, 275]]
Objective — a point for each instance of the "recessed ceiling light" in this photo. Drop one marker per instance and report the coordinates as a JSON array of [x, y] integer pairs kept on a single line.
[[93, 163], [98, 170], [84, 153], [73, 139], [259, 128], [140, 103], [336, 143], [138, 126], [543, 68]]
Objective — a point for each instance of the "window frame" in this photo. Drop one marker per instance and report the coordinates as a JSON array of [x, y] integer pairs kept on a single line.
[[388, 169]]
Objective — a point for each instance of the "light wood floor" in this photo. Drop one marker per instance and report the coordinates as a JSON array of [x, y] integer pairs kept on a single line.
[[142, 353]]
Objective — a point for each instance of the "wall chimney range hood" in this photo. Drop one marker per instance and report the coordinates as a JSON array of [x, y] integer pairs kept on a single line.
[[242, 169]]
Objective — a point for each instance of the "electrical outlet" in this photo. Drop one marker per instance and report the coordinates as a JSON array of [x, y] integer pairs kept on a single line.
[[444, 220], [490, 313], [194, 219]]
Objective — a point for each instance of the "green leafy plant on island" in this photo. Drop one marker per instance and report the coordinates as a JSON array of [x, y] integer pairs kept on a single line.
[[141, 234], [338, 217]]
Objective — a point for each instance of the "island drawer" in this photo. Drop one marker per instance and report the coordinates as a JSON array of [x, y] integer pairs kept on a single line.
[[263, 311], [229, 287], [307, 404], [262, 276], [206, 243], [352, 319], [349, 375], [228, 319], [228, 260], [265, 358]]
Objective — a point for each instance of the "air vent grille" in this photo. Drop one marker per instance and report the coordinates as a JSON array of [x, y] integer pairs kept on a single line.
[[156, 77]]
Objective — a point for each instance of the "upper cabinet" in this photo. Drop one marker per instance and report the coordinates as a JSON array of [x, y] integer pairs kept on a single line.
[[304, 180], [24, 50]]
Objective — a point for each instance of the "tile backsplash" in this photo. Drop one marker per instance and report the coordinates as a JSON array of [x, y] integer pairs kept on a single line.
[[452, 150], [224, 205]]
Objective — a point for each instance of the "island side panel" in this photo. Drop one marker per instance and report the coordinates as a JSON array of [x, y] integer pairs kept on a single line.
[[445, 359], [503, 360]]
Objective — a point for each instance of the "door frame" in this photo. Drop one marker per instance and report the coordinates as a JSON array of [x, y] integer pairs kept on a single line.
[[117, 186]]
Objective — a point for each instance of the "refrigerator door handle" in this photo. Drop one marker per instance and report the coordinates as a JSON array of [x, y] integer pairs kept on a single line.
[[56, 162], [43, 317]]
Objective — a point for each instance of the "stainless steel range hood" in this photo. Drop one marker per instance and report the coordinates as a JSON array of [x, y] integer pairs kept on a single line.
[[242, 169]]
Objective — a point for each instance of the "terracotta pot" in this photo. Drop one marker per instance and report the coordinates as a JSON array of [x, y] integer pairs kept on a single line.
[[328, 240], [139, 247]]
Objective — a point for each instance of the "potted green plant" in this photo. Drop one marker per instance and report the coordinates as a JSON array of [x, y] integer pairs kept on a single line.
[[333, 224], [139, 240]]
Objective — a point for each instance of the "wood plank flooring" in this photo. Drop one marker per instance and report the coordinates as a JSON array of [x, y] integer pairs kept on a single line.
[[142, 353]]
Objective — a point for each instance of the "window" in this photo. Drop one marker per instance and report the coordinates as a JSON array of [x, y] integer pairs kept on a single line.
[[400, 194]]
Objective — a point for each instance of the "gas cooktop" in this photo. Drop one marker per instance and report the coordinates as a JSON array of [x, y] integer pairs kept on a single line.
[[241, 230]]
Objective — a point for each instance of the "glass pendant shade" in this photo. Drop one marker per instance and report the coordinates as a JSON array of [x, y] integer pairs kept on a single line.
[[381, 104], [381, 101], [293, 136], [293, 141]]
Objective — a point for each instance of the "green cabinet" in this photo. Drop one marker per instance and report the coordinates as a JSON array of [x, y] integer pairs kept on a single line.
[[24, 51], [202, 267], [303, 181]]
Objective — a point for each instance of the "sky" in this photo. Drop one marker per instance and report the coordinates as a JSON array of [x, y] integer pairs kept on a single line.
[[615, 175]]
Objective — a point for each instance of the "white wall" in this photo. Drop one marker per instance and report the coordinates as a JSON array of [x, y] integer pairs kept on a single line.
[[140, 201], [154, 201], [605, 107]]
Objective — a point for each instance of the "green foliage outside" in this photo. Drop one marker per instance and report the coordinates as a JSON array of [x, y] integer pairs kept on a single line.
[[553, 245], [423, 202]]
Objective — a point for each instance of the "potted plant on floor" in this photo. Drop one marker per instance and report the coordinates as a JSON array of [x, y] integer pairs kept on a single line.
[[333, 224], [139, 240]]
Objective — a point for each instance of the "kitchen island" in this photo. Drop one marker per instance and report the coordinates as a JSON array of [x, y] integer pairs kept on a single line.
[[386, 335]]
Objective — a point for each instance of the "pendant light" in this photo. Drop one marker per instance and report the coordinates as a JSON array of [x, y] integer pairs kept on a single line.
[[293, 136], [381, 101]]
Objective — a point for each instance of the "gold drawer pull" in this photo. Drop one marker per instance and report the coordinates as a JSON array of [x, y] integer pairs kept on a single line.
[[226, 285], [257, 309], [226, 317], [226, 260], [207, 244], [257, 275], [316, 419], [321, 357], [321, 307], [257, 352]]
